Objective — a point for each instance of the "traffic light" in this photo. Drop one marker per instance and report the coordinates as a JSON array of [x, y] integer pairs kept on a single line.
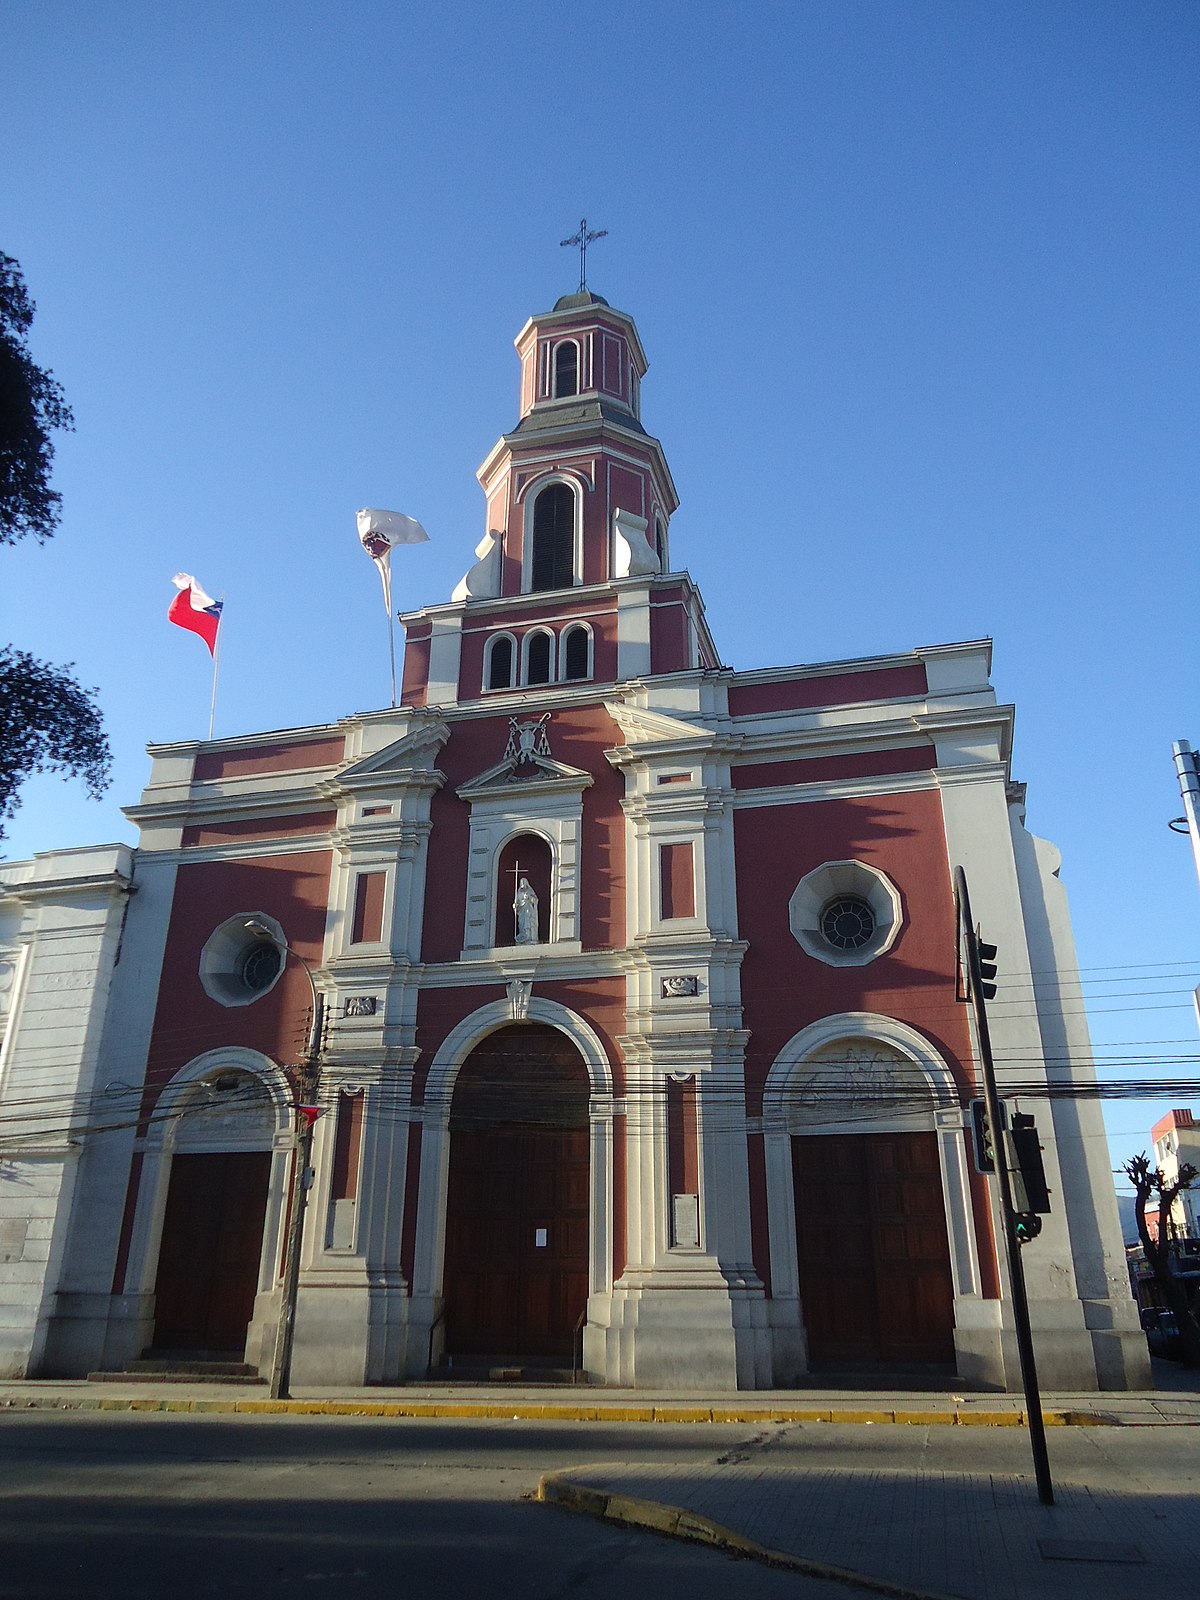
[[982, 1142], [1027, 1150], [987, 968], [1028, 1226]]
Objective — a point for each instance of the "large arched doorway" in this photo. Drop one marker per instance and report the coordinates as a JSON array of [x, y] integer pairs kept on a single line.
[[872, 1251], [515, 1277]]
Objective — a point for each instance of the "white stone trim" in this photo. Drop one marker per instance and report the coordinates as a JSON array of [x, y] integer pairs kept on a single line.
[[158, 1150], [552, 664], [564, 632], [795, 794], [943, 1115], [529, 495], [445, 653], [489, 646], [226, 947], [856, 880], [430, 1250], [556, 817]]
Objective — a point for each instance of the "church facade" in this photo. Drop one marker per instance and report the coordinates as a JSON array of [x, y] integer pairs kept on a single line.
[[644, 1048]]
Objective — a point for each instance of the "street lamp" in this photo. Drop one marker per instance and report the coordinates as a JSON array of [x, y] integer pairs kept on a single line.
[[306, 1113]]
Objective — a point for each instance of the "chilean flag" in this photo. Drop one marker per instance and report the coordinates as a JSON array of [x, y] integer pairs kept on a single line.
[[195, 610]]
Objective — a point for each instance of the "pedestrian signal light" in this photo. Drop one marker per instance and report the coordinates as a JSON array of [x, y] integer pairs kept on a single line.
[[987, 968], [1028, 1225]]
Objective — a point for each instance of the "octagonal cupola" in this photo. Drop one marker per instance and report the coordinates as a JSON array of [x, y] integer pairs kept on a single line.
[[582, 350]]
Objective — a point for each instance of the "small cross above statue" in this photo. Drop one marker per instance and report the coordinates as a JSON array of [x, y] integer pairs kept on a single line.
[[581, 240]]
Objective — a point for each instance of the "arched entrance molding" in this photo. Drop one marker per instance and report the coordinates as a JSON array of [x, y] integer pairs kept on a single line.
[[435, 1141], [184, 1092], [942, 1112]]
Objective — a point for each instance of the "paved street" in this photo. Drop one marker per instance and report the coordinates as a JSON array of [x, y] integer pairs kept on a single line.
[[142, 1506]]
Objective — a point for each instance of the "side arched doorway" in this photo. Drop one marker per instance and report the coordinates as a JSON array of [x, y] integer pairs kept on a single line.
[[515, 1276], [870, 1220], [211, 1245]]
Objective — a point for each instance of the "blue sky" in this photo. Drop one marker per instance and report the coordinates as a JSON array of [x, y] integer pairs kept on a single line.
[[917, 282]]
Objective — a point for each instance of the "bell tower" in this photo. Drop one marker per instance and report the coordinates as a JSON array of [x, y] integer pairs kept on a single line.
[[574, 566]]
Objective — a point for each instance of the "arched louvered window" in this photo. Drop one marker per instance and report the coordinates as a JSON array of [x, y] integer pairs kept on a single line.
[[566, 369], [498, 673], [553, 562], [538, 658], [575, 653], [660, 543]]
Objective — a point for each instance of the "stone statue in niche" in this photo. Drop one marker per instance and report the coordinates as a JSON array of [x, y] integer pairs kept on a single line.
[[525, 913]]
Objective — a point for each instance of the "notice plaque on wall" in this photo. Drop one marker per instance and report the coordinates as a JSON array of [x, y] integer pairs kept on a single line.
[[686, 1217]]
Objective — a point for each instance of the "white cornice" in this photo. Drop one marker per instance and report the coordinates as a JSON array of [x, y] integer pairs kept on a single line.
[[543, 963], [576, 596], [792, 794]]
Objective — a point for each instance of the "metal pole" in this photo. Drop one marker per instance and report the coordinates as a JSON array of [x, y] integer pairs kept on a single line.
[[1016, 1270], [392, 648], [216, 655], [1187, 768], [306, 1116]]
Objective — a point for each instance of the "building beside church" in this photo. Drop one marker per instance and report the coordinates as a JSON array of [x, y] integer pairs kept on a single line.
[[644, 1045]]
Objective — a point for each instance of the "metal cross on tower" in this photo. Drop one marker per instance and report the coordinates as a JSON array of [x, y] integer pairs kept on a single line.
[[582, 239]]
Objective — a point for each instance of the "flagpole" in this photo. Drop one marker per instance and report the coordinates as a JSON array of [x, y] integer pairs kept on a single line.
[[212, 710], [392, 648]]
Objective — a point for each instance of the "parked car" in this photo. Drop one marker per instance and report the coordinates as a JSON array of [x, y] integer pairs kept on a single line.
[[1162, 1333]]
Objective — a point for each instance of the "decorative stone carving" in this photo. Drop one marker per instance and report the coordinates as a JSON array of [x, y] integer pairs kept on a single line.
[[361, 1005], [527, 739], [518, 992], [680, 986]]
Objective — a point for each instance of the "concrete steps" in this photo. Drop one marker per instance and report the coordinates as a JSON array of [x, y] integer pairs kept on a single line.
[[186, 1367]]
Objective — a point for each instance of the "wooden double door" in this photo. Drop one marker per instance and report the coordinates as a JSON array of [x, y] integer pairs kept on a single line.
[[872, 1252], [518, 1214], [211, 1247]]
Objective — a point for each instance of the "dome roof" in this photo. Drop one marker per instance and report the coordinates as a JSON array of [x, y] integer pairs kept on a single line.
[[582, 297]]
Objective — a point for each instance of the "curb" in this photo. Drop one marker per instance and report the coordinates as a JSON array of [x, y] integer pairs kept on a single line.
[[674, 1522], [534, 1412]]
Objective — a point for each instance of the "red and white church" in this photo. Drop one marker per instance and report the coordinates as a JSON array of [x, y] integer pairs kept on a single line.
[[643, 1045]]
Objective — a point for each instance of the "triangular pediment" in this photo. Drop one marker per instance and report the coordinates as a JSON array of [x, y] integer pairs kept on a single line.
[[416, 751], [529, 772]]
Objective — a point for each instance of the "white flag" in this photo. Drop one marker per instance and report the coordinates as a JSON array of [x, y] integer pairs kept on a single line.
[[379, 532]]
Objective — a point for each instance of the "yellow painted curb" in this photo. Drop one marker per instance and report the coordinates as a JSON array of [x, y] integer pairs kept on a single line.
[[518, 1410]]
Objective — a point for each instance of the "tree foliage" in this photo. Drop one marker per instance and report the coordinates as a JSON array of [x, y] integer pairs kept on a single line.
[[48, 723], [31, 405], [1148, 1181]]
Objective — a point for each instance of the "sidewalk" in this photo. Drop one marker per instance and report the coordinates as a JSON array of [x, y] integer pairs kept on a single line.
[[918, 1533], [1154, 1408]]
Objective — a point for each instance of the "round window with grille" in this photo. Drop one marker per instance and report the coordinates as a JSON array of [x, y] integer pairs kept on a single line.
[[848, 923], [260, 966]]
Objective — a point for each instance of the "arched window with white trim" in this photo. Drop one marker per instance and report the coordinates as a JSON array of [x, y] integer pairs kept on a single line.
[[538, 652], [552, 562], [576, 652], [500, 662], [566, 369]]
